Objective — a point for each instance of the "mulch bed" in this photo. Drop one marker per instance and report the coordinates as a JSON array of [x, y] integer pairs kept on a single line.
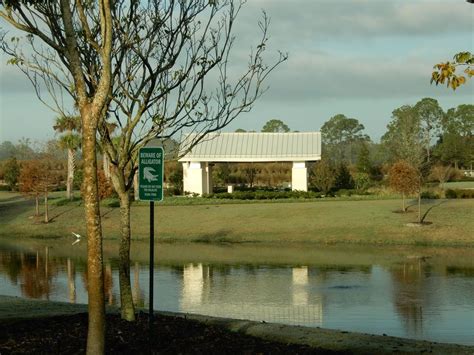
[[172, 335]]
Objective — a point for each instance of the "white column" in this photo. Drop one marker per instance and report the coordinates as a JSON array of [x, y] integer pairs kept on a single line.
[[208, 179], [299, 176], [194, 177]]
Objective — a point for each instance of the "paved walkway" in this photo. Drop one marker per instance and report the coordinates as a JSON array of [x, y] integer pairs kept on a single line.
[[12, 308]]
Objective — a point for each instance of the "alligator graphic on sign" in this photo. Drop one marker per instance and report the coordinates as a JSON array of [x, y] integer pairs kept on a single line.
[[148, 174]]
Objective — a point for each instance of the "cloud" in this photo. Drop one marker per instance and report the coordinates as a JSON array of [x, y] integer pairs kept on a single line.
[[316, 76], [357, 48], [322, 19]]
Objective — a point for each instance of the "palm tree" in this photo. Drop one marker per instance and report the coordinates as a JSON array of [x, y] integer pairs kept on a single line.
[[70, 141]]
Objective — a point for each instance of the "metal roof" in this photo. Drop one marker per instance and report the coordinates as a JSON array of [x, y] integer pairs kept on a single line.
[[253, 147]]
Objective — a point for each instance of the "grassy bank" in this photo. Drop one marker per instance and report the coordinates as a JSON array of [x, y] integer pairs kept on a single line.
[[322, 221]]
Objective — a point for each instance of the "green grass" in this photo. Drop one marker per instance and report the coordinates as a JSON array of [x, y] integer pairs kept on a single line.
[[320, 221], [459, 185]]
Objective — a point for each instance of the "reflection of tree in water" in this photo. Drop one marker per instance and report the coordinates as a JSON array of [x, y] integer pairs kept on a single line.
[[137, 294], [460, 271], [411, 294], [36, 274], [11, 265], [71, 280]]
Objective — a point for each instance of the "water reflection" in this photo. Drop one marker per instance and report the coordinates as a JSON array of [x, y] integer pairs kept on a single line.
[[31, 271], [409, 295], [71, 280], [239, 292], [138, 295], [416, 298]]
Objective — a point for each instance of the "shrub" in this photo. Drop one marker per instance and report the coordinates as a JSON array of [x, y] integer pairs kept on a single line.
[[263, 195], [11, 172], [450, 193], [78, 177], [344, 192], [429, 195], [344, 178], [465, 193], [322, 176], [172, 191], [459, 193], [362, 181]]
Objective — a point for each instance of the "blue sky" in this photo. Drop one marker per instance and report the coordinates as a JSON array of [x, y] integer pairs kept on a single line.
[[361, 58]]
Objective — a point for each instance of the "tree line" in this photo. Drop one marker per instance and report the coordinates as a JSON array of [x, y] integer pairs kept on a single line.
[[423, 135]]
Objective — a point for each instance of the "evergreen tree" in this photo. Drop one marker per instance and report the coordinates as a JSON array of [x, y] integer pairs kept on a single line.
[[344, 178], [11, 173]]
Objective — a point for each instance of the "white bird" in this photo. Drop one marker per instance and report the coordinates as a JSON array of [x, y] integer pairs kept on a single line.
[[78, 236]]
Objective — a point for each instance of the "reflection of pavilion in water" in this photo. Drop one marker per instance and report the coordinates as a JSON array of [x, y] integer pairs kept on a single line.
[[254, 295]]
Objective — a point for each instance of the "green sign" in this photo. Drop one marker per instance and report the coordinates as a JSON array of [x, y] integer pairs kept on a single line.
[[150, 173]]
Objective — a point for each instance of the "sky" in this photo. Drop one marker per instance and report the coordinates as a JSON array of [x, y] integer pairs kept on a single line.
[[360, 58]]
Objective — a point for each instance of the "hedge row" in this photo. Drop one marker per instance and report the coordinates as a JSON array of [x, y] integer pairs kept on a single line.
[[263, 195], [274, 195], [459, 193]]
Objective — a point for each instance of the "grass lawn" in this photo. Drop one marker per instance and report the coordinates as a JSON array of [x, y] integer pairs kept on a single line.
[[322, 221], [459, 185]]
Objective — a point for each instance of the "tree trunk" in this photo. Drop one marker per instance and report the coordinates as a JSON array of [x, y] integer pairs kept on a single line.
[[419, 206], [135, 186], [95, 272], [46, 217], [419, 198], [106, 166], [37, 210], [70, 174], [403, 203], [126, 296]]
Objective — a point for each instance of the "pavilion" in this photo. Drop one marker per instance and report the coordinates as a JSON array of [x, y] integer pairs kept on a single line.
[[297, 147]]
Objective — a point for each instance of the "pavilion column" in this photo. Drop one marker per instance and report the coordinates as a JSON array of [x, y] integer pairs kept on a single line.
[[207, 188], [299, 176], [196, 178]]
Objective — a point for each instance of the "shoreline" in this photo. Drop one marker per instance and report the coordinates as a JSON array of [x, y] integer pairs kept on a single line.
[[15, 309]]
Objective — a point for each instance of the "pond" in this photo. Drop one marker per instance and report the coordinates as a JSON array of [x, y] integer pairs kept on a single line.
[[413, 293]]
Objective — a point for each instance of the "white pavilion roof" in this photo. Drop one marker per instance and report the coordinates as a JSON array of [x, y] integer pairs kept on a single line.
[[253, 147]]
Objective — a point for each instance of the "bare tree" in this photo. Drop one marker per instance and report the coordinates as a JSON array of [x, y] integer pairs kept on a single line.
[[442, 173], [67, 49], [172, 73]]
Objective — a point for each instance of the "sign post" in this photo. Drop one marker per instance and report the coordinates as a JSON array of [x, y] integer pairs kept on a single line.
[[150, 188]]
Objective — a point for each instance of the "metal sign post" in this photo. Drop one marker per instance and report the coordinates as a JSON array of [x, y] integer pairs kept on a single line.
[[150, 188], [152, 262]]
